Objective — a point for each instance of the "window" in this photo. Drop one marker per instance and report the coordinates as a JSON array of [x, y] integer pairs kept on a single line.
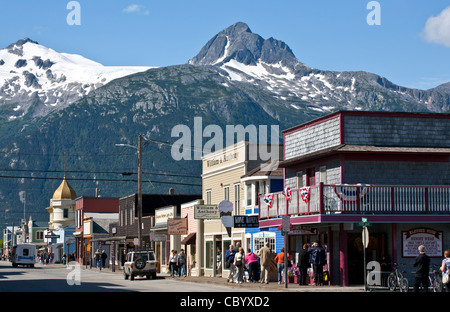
[[323, 174], [237, 199], [66, 213], [226, 192], [40, 235], [209, 252], [257, 190], [300, 179], [249, 194], [208, 197], [260, 240], [26, 252]]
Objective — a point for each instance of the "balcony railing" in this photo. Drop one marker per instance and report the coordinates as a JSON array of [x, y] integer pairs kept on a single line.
[[358, 199]]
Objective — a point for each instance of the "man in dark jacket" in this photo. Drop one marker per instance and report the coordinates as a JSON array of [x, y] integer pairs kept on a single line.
[[317, 258], [422, 263], [303, 264]]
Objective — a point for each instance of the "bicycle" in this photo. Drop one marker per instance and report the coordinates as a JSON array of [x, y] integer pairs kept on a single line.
[[435, 278], [396, 279]]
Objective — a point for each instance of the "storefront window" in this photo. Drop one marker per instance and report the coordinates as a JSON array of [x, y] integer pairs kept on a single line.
[[260, 241], [249, 194], [209, 252]]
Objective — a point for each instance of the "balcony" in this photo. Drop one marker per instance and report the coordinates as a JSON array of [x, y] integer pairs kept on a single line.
[[357, 200]]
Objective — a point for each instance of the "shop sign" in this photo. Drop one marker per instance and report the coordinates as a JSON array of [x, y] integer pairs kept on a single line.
[[246, 222], [206, 212], [163, 214], [177, 226], [302, 230], [431, 239], [157, 237]]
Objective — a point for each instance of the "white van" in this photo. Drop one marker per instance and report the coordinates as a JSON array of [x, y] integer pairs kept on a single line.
[[24, 254]]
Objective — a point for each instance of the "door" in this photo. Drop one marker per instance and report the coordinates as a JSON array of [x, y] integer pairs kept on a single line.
[[310, 177]]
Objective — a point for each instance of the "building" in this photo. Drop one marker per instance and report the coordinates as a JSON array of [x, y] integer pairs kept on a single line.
[[62, 206], [123, 235], [222, 175], [189, 241], [392, 169], [9, 238], [93, 217]]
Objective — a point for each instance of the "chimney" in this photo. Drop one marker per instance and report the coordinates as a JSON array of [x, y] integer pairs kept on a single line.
[[171, 191]]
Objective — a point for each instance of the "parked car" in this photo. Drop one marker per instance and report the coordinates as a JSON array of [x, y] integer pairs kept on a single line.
[[140, 263], [24, 254]]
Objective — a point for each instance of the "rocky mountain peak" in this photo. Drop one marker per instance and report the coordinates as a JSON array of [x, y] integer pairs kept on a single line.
[[238, 43]]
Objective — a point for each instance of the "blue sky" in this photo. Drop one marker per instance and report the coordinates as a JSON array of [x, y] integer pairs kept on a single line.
[[324, 34]]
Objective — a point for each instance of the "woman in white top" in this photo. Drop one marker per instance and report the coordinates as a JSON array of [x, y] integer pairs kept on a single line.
[[239, 261]]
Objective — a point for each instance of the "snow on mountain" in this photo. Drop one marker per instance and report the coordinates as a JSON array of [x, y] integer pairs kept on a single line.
[[35, 77]]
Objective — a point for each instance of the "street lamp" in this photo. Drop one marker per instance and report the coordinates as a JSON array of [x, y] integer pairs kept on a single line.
[[139, 150]]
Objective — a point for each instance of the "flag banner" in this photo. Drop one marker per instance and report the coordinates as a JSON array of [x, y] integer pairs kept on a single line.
[[288, 193], [268, 198], [348, 192], [305, 192]]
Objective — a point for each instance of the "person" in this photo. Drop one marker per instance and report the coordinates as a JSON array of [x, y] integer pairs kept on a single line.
[[422, 263], [229, 257], [219, 260], [317, 258], [173, 258], [445, 268], [279, 259], [97, 258], [182, 263], [103, 257], [239, 260], [252, 261], [303, 264], [64, 259], [265, 255]]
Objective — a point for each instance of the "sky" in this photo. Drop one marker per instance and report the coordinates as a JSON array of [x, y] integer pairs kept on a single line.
[[409, 43]]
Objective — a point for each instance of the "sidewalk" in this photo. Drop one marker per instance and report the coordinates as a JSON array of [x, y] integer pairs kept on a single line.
[[272, 286]]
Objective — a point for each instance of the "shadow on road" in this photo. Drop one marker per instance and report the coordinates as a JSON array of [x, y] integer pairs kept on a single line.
[[54, 285]]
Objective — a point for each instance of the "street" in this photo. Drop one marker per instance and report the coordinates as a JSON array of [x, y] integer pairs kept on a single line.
[[54, 278]]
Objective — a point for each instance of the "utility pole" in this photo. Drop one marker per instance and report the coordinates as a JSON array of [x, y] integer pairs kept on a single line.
[[140, 191]]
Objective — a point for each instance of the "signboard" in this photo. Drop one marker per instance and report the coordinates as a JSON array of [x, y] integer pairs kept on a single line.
[[164, 214], [52, 236], [365, 237], [157, 237], [177, 226], [206, 212], [285, 223], [302, 230], [431, 239], [246, 222]]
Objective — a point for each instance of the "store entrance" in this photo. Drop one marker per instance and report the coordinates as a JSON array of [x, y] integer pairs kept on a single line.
[[376, 251]]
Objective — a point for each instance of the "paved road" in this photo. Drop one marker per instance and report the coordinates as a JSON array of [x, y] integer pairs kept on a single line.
[[58, 278]]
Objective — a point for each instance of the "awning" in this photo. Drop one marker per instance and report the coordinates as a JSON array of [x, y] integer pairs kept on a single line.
[[189, 240]]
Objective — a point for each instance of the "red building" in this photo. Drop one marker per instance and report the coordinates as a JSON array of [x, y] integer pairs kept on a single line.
[[391, 168], [92, 218]]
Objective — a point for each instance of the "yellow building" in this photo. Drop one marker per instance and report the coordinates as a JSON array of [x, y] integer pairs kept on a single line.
[[62, 206], [221, 180]]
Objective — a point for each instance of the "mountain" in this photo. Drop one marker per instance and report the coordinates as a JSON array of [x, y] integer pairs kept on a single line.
[[237, 78], [36, 80]]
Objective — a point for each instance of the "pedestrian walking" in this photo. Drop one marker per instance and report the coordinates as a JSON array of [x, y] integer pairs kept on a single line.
[[97, 259], [252, 260], [239, 261], [317, 257], [422, 263], [265, 254], [279, 260], [103, 257], [445, 269], [229, 258], [173, 259], [182, 263], [303, 264]]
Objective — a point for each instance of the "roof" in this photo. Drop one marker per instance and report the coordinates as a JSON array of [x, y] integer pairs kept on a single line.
[[64, 191], [258, 171], [345, 148]]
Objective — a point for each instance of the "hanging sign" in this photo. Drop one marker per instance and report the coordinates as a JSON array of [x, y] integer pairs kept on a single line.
[[431, 239]]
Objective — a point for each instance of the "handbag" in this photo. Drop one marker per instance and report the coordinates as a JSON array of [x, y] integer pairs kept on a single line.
[[445, 278], [227, 264]]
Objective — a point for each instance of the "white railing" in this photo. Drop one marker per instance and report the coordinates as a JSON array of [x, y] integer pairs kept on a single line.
[[359, 199]]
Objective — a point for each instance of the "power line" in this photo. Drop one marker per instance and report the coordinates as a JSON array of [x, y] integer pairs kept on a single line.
[[98, 180]]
